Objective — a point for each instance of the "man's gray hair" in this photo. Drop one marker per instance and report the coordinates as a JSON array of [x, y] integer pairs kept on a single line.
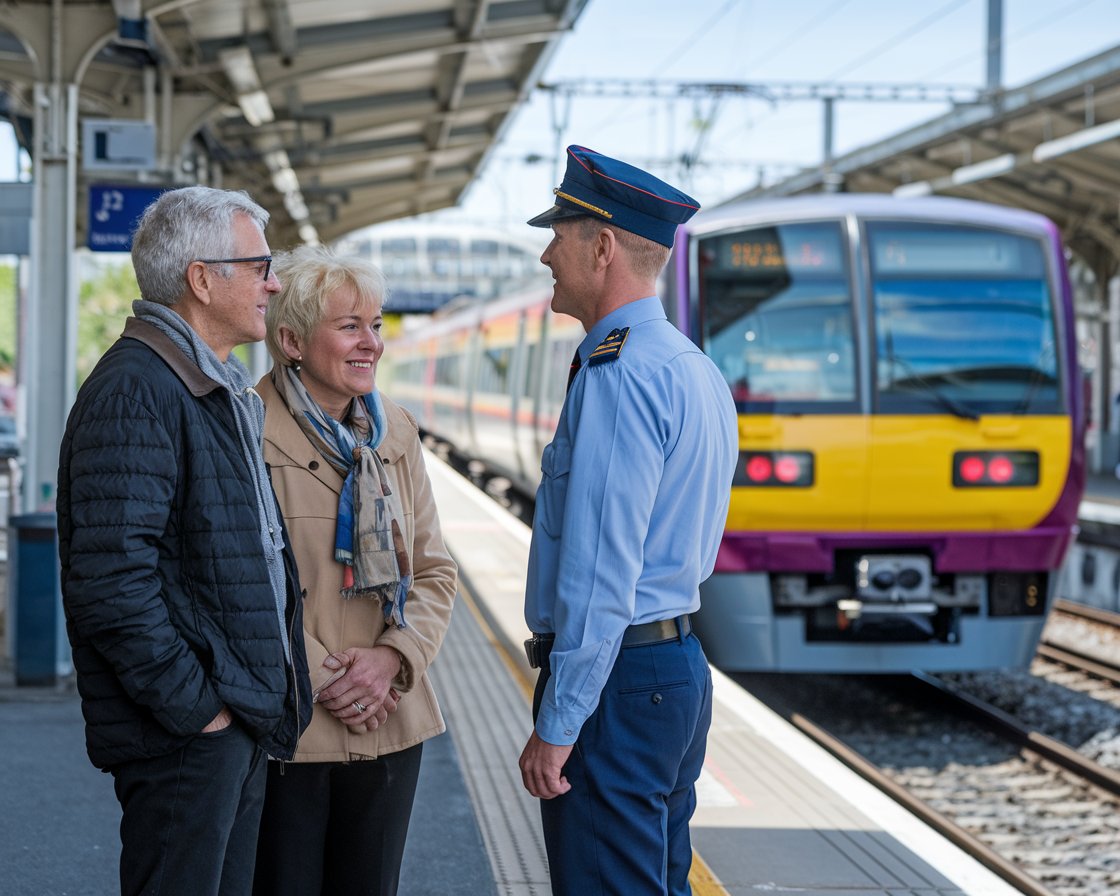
[[182, 226]]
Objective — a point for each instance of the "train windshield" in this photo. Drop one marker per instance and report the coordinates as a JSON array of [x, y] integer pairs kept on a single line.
[[777, 317], [964, 321]]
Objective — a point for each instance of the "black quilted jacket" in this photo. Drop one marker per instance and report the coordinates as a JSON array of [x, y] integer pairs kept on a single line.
[[167, 597]]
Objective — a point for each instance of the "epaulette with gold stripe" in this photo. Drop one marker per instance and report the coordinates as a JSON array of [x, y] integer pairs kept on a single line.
[[610, 348]]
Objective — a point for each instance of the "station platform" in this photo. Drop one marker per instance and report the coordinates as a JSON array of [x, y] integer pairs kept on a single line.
[[1102, 488], [776, 812]]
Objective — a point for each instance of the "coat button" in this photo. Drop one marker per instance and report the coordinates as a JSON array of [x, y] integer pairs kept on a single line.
[[656, 698], [314, 465]]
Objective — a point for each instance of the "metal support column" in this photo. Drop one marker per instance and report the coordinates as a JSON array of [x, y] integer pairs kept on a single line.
[[995, 46], [47, 361], [831, 181]]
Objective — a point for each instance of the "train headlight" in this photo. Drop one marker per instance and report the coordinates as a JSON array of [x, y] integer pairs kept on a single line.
[[987, 469], [787, 469], [897, 577]]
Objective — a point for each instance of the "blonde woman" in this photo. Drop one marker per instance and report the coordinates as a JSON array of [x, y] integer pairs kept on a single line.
[[348, 472]]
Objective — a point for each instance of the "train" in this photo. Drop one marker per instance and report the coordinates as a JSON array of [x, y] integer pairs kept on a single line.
[[912, 422]]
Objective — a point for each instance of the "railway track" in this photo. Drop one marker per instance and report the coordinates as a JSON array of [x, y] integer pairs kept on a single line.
[[1083, 638], [1033, 809]]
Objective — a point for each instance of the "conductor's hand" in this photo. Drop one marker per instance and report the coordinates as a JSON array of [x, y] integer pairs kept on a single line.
[[541, 765]]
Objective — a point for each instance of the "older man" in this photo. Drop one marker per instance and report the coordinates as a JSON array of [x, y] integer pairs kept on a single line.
[[179, 590], [629, 516]]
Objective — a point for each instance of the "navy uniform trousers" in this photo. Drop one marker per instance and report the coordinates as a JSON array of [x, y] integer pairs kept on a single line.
[[623, 827]]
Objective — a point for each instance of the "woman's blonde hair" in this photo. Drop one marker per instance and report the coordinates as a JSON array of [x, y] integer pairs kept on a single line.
[[310, 275]]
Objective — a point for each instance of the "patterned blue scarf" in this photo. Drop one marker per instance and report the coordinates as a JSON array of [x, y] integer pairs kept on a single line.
[[368, 536]]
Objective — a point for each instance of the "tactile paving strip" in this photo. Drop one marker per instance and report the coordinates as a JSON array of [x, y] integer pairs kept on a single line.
[[489, 720]]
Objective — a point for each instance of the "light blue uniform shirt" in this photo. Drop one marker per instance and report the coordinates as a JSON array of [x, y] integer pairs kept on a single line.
[[632, 504]]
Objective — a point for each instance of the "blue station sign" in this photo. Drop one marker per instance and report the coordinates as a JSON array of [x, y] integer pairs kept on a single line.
[[113, 214]]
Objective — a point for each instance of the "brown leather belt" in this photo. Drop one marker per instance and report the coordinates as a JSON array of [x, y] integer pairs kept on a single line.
[[538, 647]]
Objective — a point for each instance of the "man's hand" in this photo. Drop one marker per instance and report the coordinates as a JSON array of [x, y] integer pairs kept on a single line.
[[541, 765], [222, 720]]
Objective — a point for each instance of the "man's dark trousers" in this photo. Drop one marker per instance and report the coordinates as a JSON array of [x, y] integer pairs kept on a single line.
[[191, 817], [623, 827]]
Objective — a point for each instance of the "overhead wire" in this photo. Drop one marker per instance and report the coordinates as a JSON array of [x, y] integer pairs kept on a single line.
[[903, 35], [675, 55], [1054, 15], [796, 34], [612, 117], [814, 21]]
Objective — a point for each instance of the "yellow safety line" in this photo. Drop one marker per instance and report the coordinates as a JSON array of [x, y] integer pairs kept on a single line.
[[703, 880], [700, 876], [515, 670]]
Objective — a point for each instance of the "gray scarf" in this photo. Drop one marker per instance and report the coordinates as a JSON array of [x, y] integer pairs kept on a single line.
[[249, 413]]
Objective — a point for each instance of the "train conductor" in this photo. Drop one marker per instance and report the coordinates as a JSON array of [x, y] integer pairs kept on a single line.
[[629, 516]]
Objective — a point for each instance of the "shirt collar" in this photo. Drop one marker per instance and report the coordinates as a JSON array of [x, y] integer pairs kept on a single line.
[[629, 315]]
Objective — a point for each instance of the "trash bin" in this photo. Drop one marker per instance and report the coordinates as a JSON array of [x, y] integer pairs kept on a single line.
[[41, 651]]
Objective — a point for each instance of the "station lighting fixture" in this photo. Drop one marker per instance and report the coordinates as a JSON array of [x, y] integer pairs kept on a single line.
[[242, 73], [1008, 162], [255, 106], [984, 170], [917, 188], [1051, 149]]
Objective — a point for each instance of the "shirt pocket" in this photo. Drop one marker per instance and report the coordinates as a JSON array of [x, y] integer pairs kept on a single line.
[[556, 464]]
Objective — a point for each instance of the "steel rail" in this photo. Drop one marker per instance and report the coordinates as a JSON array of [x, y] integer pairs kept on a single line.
[[1081, 662], [1010, 728], [1084, 611]]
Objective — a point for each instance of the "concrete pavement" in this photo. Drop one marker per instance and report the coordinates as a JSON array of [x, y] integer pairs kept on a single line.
[[59, 816]]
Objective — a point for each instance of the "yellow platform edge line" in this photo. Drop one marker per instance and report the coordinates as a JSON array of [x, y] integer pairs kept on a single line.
[[700, 876]]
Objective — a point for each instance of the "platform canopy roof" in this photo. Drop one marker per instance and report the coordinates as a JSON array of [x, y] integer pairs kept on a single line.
[[1052, 146], [333, 114]]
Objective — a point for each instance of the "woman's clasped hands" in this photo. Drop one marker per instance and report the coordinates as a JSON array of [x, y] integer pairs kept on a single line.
[[359, 693]]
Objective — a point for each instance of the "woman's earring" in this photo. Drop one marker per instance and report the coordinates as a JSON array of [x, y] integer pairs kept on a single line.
[[296, 363]]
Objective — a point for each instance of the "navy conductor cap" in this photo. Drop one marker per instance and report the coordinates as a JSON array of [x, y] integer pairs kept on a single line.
[[598, 186]]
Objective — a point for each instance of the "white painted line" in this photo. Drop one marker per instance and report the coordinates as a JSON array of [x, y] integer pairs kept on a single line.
[[910, 831]]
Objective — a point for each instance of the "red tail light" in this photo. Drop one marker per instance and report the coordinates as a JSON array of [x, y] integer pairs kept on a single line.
[[788, 469], [759, 468], [972, 469], [985, 469]]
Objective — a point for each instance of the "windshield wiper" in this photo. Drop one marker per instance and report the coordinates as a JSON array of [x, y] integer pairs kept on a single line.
[[953, 406]]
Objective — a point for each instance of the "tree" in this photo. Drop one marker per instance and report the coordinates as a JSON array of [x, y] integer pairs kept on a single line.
[[104, 301], [7, 316]]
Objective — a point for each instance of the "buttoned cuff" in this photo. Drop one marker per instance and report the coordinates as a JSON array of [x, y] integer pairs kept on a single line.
[[553, 728]]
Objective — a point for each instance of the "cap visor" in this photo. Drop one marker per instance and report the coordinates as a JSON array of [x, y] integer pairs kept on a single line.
[[554, 214]]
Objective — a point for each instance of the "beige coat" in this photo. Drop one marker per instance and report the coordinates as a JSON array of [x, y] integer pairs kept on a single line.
[[308, 489]]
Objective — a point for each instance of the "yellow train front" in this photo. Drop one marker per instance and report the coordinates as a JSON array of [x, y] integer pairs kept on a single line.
[[911, 429]]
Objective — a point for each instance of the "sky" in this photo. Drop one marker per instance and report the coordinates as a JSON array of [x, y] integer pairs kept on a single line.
[[751, 41], [758, 41]]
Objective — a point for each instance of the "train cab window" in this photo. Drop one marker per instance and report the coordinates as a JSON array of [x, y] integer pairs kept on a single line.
[[776, 316], [964, 320]]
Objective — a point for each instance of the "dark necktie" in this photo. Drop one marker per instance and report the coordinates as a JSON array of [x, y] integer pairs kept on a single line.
[[572, 371]]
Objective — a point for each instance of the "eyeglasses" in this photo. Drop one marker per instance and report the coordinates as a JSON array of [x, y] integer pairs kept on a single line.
[[266, 260]]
